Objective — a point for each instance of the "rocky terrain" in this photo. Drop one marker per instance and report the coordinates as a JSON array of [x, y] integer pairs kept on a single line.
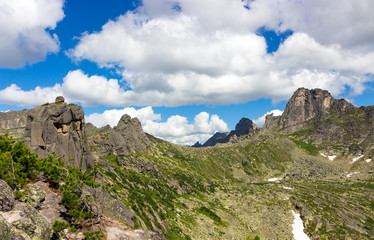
[[315, 159], [334, 126]]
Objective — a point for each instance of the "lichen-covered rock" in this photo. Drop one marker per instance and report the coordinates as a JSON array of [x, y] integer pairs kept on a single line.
[[58, 128], [6, 197], [34, 195], [5, 231], [106, 204], [26, 219]]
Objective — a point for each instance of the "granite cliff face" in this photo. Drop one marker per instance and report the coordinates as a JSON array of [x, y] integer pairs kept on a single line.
[[51, 128], [244, 127], [58, 128], [333, 125]]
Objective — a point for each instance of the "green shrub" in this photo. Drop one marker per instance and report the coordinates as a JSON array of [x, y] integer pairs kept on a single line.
[[58, 226], [95, 235]]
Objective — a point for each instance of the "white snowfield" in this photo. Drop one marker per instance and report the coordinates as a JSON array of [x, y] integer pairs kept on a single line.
[[298, 228], [331, 158], [368, 160], [323, 155], [357, 158], [288, 188], [274, 179], [350, 174]]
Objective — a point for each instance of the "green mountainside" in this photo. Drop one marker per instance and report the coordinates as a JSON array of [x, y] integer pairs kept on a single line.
[[240, 189]]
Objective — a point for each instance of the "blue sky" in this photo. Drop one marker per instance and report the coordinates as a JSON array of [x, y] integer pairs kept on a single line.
[[187, 71]]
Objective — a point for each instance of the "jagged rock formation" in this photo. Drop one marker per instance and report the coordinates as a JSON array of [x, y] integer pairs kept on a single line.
[[305, 105], [197, 145], [244, 127], [334, 125], [58, 128], [123, 139]]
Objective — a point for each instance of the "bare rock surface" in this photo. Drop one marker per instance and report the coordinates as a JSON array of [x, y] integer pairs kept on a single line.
[[58, 128], [50, 208], [7, 199]]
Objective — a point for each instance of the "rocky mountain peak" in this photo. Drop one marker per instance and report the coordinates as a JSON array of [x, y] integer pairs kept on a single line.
[[244, 126], [126, 122], [122, 139], [306, 104]]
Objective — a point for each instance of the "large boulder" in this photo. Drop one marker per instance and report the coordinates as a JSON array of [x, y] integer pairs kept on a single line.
[[29, 222], [58, 128], [7, 199]]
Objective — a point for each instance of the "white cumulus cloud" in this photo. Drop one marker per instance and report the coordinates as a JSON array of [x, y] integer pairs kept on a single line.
[[208, 51], [173, 53], [24, 36], [175, 129]]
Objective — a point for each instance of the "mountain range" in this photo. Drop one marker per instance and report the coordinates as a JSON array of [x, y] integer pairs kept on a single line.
[[315, 159]]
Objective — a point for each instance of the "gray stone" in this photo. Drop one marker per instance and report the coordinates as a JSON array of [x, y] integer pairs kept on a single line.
[[26, 219], [7, 199], [58, 128], [5, 229], [60, 99]]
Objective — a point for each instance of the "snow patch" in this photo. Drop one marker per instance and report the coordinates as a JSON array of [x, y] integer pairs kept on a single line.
[[357, 158], [368, 160], [331, 158], [274, 179], [323, 155], [298, 228], [288, 188], [350, 175]]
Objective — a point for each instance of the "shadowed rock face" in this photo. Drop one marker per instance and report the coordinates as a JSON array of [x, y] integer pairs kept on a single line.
[[58, 128], [244, 127]]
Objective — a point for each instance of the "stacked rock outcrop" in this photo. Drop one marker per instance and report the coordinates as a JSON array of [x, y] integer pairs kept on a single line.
[[58, 128]]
